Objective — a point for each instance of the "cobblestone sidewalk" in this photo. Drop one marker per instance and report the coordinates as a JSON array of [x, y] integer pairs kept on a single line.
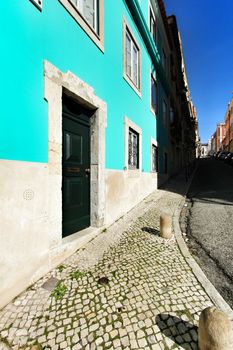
[[140, 294]]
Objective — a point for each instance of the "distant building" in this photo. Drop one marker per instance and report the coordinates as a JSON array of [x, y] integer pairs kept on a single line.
[[220, 135], [228, 141], [204, 149], [209, 147], [213, 143]]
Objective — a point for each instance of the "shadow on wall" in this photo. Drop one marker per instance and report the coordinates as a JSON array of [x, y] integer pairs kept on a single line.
[[177, 182]]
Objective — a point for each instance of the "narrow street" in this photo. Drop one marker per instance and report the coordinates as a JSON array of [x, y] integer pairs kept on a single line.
[[210, 223]]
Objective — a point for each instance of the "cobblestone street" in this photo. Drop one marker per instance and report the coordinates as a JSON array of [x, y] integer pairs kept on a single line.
[[139, 294]]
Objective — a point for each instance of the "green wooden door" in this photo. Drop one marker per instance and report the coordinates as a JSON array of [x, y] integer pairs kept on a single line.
[[75, 168]]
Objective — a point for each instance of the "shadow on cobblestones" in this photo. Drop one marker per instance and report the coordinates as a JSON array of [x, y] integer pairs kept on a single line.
[[182, 332], [150, 230]]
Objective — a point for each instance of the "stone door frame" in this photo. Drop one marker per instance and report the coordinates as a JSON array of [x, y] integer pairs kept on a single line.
[[57, 83]]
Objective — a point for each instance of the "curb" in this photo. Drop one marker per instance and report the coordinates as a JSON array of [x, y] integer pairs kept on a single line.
[[210, 290]]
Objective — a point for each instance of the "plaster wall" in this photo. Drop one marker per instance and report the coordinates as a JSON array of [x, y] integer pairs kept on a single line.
[[31, 37], [31, 237], [125, 190], [25, 236]]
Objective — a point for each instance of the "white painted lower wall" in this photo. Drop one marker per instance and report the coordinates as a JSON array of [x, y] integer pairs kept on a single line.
[[125, 189], [31, 238], [25, 236]]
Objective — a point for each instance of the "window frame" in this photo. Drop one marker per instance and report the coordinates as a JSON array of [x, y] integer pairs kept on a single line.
[[96, 16], [131, 165], [152, 16], [129, 124], [153, 77], [154, 144], [129, 79], [96, 37]]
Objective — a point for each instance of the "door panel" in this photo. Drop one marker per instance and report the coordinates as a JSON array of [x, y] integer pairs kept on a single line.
[[73, 145], [75, 169]]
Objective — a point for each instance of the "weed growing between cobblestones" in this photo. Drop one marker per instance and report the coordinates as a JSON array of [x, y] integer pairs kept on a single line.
[[61, 268], [59, 292], [5, 341], [76, 274]]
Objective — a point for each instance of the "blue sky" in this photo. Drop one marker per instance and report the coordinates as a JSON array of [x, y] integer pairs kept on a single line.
[[206, 28]]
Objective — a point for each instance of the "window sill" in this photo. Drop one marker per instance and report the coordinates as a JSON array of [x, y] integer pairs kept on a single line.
[[153, 112], [134, 87], [97, 39]]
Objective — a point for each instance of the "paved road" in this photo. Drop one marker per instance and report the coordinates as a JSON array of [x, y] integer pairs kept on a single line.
[[210, 223]]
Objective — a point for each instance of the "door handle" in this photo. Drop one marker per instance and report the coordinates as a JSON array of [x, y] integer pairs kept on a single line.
[[87, 171]]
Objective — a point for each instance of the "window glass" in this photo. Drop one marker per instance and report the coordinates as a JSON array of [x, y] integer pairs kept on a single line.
[[89, 10], [133, 149], [128, 54], [131, 59], [154, 158], [135, 65], [154, 94], [153, 28]]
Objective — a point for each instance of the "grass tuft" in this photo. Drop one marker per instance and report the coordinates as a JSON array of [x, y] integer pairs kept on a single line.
[[75, 275], [59, 291]]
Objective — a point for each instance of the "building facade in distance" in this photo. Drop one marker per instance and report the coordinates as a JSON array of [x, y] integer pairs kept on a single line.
[[220, 136], [228, 141]]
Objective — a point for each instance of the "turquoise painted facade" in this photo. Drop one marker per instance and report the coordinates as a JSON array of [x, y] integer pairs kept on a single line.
[[28, 37], [84, 170]]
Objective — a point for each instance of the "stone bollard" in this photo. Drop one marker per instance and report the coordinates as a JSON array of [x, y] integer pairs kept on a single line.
[[36, 347], [215, 330], [166, 226]]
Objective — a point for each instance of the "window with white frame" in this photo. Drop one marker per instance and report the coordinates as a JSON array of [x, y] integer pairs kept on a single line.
[[89, 9], [133, 149], [155, 157], [153, 27], [132, 59], [89, 14], [154, 94]]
